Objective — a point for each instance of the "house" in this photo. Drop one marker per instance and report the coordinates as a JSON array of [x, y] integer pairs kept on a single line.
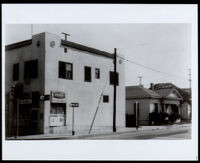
[[140, 102], [152, 105], [50, 74], [185, 103]]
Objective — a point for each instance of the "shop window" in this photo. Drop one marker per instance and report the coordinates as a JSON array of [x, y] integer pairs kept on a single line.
[[87, 74], [58, 108], [65, 70], [112, 78], [97, 73], [105, 99], [31, 69], [16, 72]]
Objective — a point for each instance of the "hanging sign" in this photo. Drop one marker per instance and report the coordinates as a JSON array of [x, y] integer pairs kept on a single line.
[[58, 97]]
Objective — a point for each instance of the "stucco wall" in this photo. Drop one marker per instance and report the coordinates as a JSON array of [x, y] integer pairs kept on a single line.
[[20, 55], [87, 94]]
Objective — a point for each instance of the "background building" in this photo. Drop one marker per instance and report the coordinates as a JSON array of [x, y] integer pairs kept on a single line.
[[54, 73]]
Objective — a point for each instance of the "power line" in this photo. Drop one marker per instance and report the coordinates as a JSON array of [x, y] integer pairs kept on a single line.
[[147, 67]]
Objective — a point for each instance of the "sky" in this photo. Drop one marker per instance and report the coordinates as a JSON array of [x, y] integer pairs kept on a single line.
[[165, 47]]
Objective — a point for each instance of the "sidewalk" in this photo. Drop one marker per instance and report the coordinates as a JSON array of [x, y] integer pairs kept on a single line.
[[83, 133]]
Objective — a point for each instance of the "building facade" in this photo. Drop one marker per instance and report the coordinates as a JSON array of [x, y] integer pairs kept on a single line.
[[152, 104], [55, 73]]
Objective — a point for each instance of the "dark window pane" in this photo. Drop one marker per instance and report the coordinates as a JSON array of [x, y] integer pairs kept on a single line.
[[105, 98], [31, 69], [16, 72], [35, 99], [65, 70], [34, 69], [97, 73], [112, 78], [62, 70], [88, 74]]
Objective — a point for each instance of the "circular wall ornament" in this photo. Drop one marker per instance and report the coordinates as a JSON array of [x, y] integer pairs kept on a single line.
[[52, 44]]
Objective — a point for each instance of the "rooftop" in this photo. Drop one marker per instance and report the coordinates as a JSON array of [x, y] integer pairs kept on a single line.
[[64, 43], [135, 92]]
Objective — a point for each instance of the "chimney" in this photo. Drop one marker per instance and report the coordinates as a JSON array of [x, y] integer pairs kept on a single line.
[[152, 86]]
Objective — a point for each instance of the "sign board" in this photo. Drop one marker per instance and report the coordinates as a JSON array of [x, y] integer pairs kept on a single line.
[[57, 121], [74, 104], [27, 101], [58, 97], [44, 97]]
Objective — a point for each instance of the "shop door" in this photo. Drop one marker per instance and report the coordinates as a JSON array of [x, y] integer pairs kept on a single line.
[[23, 119]]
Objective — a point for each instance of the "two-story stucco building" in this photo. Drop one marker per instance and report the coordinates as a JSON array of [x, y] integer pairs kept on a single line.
[[55, 73]]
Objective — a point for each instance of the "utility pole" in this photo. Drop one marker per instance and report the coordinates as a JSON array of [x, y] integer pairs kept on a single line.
[[31, 30], [140, 78], [65, 35], [190, 90], [190, 81], [115, 90]]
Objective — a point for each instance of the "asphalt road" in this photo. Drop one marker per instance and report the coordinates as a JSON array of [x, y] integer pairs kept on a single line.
[[164, 134]]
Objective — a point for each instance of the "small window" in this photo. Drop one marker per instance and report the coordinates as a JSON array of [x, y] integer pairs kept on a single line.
[[65, 70], [112, 78], [87, 74], [105, 98], [16, 72], [31, 69], [97, 73], [65, 50]]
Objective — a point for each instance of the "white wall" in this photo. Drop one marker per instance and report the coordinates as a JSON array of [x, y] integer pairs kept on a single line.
[[87, 94]]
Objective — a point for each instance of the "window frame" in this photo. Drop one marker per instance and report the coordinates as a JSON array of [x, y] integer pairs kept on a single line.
[[65, 76], [14, 76], [97, 73], [32, 74], [112, 76], [90, 74], [105, 100]]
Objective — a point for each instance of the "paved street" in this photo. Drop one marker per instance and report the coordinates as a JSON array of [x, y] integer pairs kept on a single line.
[[165, 134]]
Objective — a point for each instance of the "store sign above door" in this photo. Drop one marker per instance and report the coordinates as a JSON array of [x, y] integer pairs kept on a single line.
[[58, 97]]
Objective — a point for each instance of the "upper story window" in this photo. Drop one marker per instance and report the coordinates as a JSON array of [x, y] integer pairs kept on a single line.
[[65, 70], [16, 72], [87, 74], [97, 73], [112, 78], [31, 69]]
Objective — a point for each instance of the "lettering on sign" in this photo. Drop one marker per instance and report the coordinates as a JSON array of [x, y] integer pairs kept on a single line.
[[58, 97], [74, 104]]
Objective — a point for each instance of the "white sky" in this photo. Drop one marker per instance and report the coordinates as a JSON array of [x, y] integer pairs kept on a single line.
[[165, 46]]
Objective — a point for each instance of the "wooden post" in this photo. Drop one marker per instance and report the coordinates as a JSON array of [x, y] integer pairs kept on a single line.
[[115, 91]]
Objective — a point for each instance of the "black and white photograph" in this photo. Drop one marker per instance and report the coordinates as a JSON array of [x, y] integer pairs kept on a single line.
[[124, 86]]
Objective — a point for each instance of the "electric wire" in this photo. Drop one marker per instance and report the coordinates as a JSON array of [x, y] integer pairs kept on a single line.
[[147, 67]]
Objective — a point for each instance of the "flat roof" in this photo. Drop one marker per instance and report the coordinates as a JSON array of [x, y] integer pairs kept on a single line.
[[86, 48], [64, 43], [18, 44]]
